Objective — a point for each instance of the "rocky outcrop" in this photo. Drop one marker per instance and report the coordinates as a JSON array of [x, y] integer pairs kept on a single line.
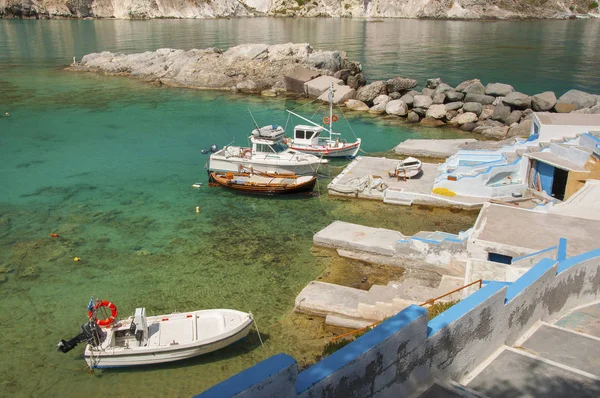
[[248, 68], [436, 9]]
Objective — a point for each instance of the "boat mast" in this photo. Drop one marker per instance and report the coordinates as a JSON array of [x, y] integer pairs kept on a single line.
[[330, 108]]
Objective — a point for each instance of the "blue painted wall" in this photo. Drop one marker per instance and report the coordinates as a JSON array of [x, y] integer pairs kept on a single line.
[[546, 176]]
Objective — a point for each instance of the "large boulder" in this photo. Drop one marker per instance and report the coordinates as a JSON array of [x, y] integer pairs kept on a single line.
[[486, 112], [369, 92], [420, 111], [434, 83], [356, 105], [543, 102], [356, 81], [501, 112], [499, 132], [400, 84], [565, 108], [428, 91], [517, 100], [342, 74], [578, 98], [467, 117], [340, 95], [514, 117], [594, 110], [379, 104], [395, 95], [498, 89], [443, 88], [396, 107], [315, 87], [483, 125], [439, 98], [480, 98], [522, 129], [431, 122], [408, 99], [471, 86], [468, 126], [452, 96], [412, 117], [422, 101], [453, 106], [330, 60], [437, 111], [474, 107]]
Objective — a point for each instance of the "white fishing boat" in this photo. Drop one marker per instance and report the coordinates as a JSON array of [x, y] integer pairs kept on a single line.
[[312, 139], [268, 153], [142, 340], [407, 168]]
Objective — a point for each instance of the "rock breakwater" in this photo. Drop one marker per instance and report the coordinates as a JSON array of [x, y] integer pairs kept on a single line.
[[496, 110], [248, 68]]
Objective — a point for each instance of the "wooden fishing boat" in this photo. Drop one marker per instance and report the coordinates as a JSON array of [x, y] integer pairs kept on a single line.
[[142, 340], [263, 183], [407, 168]]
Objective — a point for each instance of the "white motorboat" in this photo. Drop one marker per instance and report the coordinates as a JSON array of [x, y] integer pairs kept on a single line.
[[268, 154], [407, 168], [309, 139], [141, 340]]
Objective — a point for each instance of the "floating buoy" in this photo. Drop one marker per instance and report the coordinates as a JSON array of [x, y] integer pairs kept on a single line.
[[197, 185], [7, 114], [197, 209], [54, 235], [76, 259]]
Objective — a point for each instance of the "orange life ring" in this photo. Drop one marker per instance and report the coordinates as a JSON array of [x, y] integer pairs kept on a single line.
[[326, 120], [334, 118], [110, 319]]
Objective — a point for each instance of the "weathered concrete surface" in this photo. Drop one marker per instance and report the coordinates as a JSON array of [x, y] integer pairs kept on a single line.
[[513, 231], [294, 81], [343, 235], [515, 374], [585, 203], [569, 348], [583, 320], [322, 298], [431, 148], [340, 95]]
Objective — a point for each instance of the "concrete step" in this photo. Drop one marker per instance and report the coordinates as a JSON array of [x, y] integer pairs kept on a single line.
[[584, 320], [347, 322], [379, 311], [517, 373], [570, 348], [450, 389], [379, 293], [448, 284], [319, 298]]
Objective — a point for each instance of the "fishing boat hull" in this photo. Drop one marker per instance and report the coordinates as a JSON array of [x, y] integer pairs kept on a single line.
[[341, 150], [173, 337], [266, 183], [233, 164]]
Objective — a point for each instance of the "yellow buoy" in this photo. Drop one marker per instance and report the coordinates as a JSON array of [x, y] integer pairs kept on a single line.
[[197, 209], [76, 259]]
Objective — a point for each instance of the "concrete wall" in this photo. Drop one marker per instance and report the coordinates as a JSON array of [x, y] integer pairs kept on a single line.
[[406, 352]]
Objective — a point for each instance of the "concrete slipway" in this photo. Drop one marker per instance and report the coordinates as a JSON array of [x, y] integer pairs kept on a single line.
[[368, 178]]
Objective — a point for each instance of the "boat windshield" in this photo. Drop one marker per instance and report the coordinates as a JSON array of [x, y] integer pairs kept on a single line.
[[279, 147]]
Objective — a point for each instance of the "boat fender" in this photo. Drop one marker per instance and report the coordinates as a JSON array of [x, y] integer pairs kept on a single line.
[[106, 321], [54, 235]]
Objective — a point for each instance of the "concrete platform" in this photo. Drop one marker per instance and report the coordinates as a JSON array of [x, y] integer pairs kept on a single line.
[[516, 374], [319, 298], [368, 178], [315, 87], [584, 320], [567, 347], [431, 148], [343, 235]]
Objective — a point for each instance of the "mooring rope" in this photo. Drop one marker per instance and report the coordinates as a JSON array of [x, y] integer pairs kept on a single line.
[[257, 331]]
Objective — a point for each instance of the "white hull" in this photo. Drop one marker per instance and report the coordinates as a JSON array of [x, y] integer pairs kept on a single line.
[[409, 173], [332, 151], [172, 338], [235, 164]]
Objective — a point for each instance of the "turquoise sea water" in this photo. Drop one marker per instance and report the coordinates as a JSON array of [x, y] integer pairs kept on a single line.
[[107, 163]]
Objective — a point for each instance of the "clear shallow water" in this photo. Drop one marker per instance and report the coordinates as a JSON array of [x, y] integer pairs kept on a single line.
[[108, 164]]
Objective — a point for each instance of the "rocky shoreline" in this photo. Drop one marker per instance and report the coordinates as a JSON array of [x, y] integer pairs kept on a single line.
[[414, 9], [495, 110]]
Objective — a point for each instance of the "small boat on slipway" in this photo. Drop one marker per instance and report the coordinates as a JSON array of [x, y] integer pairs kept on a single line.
[[263, 183], [407, 168], [142, 340]]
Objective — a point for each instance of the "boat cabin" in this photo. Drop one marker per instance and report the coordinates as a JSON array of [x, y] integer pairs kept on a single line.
[[308, 136]]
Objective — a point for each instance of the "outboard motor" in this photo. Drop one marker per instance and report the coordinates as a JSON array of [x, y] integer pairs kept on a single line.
[[91, 333], [213, 148]]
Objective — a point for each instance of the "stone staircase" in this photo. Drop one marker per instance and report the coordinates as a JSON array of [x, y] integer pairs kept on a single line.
[[551, 361], [350, 307]]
